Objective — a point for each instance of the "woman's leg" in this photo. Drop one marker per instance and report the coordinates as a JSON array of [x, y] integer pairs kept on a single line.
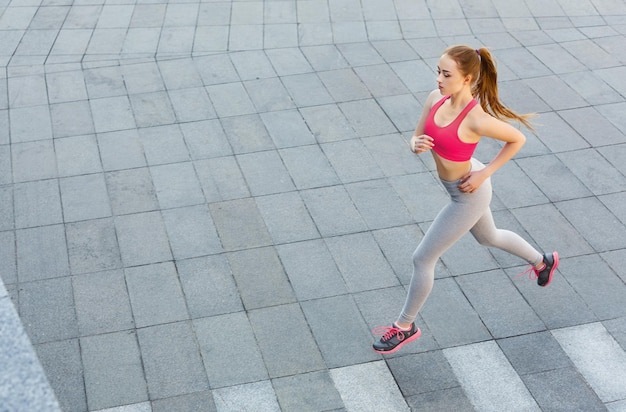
[[454, 220], [487, 234]]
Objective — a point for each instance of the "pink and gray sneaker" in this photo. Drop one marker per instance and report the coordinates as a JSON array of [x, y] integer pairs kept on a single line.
[[393, 338], [544, 276]]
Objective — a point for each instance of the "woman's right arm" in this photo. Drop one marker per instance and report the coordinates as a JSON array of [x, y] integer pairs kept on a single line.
[[420, 142]]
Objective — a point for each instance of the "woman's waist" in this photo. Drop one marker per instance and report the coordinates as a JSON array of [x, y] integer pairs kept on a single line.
[[450, 171]]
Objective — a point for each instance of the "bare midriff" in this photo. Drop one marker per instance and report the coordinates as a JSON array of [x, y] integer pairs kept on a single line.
[[451, 171]]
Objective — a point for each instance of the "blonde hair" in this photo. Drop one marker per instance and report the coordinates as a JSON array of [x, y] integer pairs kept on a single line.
[[480, 64]]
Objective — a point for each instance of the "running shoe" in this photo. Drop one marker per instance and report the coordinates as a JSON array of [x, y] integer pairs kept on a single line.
[[393, 338], [543, 276]]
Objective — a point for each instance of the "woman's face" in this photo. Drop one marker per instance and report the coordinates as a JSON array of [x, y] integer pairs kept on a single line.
[[449, 78]]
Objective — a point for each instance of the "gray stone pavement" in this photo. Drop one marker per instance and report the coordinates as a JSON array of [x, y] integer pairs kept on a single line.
[[207, 205]]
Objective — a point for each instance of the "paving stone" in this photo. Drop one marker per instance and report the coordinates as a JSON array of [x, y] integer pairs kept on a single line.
[[392, 155], [422, 208], [112, 114], [546, 354], [378, 214], [247, 134], [332, 211], [299, 162], [155, 294], [200, 401], [191, 232], [191, 104], [221, 179], [367, 118], [30, 123], [562, 388], [131, 191], [363, 387], [236, 397], [607, 383], [37, 203], [562, 185], [47, 310], [616, 260], [64, 370], [503, 309], [453, 399], [564, 237], [265, 173], [591, 87], [344, 85], [71, 119], [230, 99], [77, 155], [284, 358], [113, 370], [401, 110], [311, 270], [398, 245], [172, 361], [322, 319], [102, 303], [84, 197], [313, 391], [606, 298], [229, 365], [142, 238], [515, 189], [154, 109], [286, 217], [163, 144], [599, 179], [209, 286], [92, 246], [361, 262], [596, 223], [492, 385], [8, 261], [216, 69], [239, 224], [450, 317], [248, 265], [33, 161], [287, 128], [548, 303], [121, 150], [422, 373], [268, 95], [351, 161], [205, 139], [327, 123], [41, 253], [176, 185]]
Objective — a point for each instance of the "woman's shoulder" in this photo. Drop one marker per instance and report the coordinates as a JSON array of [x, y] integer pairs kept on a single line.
[[433, 97]]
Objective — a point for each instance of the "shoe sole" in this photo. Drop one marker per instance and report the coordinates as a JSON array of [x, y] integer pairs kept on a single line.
[[401, 344], [555, 265]]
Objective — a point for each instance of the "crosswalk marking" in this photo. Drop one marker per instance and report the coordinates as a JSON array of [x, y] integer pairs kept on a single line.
[[598, 357], [368, 387], [488, 378]]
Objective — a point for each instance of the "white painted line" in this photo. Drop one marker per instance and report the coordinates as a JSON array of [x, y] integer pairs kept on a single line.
[[368, 387], [598, 357], [250, 397], [489, 380]]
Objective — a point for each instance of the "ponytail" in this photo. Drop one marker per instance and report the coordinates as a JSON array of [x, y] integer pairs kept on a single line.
[[480, 64]]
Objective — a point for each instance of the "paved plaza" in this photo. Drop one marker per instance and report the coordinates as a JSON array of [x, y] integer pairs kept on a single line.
[[208, 205]]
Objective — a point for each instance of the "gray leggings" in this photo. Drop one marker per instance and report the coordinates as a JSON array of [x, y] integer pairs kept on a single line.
[[465, 212]]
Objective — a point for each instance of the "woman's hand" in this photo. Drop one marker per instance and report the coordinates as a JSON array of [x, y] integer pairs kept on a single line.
[[421, 144], [472, 181]]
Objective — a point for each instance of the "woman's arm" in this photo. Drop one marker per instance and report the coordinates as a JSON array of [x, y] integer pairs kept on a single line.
[[420, 142], [488, 126]]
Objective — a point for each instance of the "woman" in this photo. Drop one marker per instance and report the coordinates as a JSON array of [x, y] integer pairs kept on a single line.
[[450, 127]]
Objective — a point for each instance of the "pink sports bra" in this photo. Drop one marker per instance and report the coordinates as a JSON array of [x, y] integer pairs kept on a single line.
[[446, 139]]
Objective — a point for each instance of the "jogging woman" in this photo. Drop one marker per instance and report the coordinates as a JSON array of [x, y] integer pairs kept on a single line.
[[463, 109]]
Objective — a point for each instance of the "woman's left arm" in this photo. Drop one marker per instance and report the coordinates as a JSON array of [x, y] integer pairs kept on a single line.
[[489, 126]]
